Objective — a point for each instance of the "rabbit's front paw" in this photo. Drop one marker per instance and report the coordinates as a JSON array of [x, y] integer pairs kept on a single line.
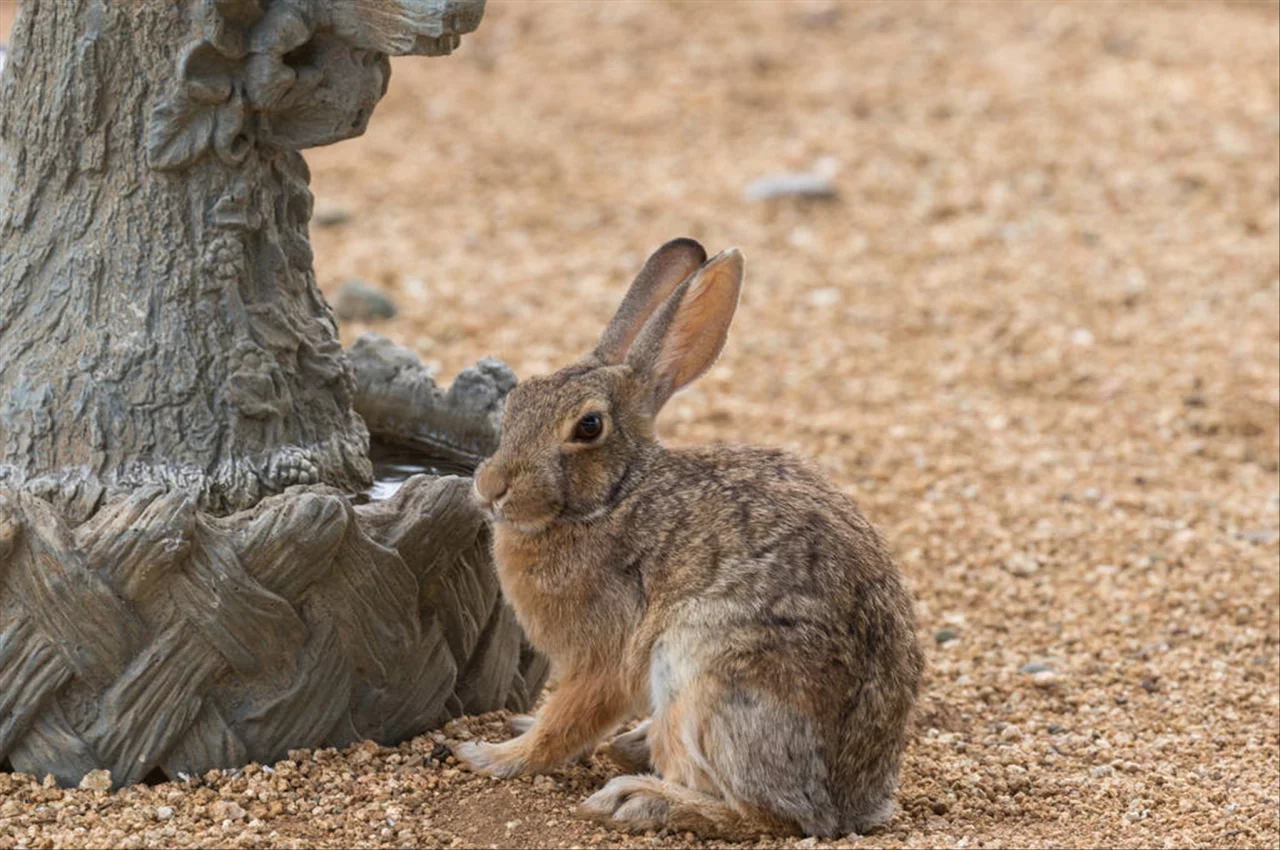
[[520, 723], [504, 760]]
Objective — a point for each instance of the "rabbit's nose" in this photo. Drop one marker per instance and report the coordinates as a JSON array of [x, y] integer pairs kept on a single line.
[[490, 485]]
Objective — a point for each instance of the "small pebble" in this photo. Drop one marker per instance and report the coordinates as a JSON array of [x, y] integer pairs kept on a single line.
[[358, 301], [222, 810], [1044, 678], [946, 634], [97, 780], [821, 18], [827, 296], [164, 813], [806, 184], [1022, 565], [331, 216]]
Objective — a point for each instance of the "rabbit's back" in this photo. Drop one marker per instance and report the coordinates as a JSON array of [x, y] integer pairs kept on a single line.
[[762, 533], [778, 633]]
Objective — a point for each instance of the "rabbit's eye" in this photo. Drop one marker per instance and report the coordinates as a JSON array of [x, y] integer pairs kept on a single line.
[[589, 427]]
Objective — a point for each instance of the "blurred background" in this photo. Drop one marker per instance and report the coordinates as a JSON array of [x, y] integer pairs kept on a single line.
[[1061, 205], [1026, 311]]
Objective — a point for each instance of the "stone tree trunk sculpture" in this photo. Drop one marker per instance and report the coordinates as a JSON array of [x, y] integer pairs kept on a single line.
[[185, 579]]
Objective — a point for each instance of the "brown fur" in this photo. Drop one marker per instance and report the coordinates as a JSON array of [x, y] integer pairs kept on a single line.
[[730, 592]]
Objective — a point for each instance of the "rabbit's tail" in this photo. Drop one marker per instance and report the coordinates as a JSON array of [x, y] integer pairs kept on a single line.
[[647, 802]]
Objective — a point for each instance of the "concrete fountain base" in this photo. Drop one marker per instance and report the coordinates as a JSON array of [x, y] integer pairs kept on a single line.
[[155, 635]]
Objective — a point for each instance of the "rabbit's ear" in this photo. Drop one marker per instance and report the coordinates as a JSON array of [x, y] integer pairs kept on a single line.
[[662, 273], [686, 334]]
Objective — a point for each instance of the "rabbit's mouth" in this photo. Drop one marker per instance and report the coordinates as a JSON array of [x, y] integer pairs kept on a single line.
[[530, 528], [522, 524], [521, 509]]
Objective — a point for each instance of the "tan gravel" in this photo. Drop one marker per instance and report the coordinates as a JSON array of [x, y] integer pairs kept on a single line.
[[1037, 336]]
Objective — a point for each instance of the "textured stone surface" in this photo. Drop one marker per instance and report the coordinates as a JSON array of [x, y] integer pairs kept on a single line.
[[168, 367], [156, 635], [159, 319], [399, 398]]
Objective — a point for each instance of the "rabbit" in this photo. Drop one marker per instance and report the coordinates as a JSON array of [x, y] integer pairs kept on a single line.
[[731, 594]]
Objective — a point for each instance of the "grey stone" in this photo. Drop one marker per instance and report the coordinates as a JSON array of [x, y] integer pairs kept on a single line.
[[945, 635], [800, 184], [331, 216], [358, 301], [1034, 667]]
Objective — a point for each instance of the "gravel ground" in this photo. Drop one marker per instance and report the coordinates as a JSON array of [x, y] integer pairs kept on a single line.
[[1035, 333]]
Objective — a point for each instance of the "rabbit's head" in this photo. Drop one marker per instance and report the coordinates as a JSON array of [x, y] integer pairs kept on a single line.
[[574, 440]]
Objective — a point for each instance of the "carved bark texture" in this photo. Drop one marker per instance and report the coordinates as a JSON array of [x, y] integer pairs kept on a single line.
[[400, 400], [156, 635], [166, 363], [159, 318]]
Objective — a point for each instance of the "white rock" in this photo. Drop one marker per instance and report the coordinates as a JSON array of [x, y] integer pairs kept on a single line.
[[801, 237], [1044, 678], [826, 296], [1082, 337], [97, 780], [226, 810], [1021, 564], [164, 813]]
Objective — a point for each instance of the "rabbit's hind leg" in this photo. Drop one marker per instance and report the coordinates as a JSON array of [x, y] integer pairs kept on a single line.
[[639, 803], [766, 757]]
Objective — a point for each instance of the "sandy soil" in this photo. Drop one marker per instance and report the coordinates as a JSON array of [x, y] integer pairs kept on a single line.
[[1036, 336]]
